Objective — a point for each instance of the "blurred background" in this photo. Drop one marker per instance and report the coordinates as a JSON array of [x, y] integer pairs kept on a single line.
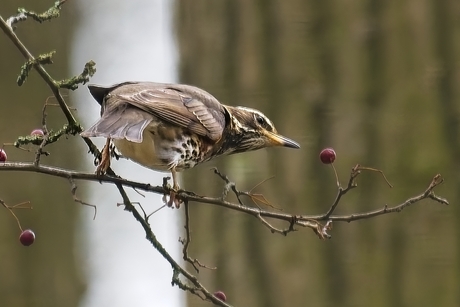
[[376, 80]]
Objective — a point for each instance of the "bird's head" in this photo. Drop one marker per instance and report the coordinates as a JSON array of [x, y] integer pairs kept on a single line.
[[252, 130]]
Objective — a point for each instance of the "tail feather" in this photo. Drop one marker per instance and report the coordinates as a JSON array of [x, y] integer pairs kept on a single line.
[[120, 123]]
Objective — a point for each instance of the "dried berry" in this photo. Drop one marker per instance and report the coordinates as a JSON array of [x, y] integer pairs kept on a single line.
[[3, 155], [327, 155], [37, 132], [27, 237], [220, 295]]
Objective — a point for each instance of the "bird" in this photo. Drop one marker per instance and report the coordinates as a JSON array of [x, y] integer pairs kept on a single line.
[[173, 127]]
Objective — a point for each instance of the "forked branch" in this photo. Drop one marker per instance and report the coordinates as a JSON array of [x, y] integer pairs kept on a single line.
[[311, 221]]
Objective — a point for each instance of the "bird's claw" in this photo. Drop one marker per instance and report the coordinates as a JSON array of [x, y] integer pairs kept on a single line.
[[104, 164], [174, 200], [102, 167]]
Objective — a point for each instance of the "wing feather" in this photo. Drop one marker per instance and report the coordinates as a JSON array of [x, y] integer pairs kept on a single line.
[[121, 122], [181, 105]]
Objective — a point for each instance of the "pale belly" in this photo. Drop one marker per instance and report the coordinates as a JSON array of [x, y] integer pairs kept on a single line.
[[162, 157]]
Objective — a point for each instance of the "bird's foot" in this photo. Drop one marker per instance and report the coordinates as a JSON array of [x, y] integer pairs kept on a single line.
[[104, 164], [174, 200]]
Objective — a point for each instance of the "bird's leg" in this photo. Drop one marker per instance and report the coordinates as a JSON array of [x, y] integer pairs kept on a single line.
[[104, 164], [174, 177], [172, 195]]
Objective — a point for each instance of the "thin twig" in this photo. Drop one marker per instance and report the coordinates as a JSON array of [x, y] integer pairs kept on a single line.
[[428, 193], [73, 190], [17, 206], [186, 242], [39, 151], [75, 128], [40, 69], [272, 228], [359, 167], [300, 220]]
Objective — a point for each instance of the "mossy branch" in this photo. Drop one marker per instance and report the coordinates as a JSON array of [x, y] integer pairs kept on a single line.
[[52, 12], [25, 69], [83, 78], [37, 63], [52, 137]]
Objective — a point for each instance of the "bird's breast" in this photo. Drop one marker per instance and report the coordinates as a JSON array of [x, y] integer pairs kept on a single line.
[[165, 147]]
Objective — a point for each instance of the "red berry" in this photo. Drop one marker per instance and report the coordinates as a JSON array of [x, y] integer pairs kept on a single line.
[[27, 237], [37, 132], [220, 295], [327, 155], [3, 155]]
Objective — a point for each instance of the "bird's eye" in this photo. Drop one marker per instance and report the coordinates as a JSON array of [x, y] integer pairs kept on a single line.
[[260, 120]]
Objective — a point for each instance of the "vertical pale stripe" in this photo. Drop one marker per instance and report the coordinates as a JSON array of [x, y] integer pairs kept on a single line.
[[129, 40]]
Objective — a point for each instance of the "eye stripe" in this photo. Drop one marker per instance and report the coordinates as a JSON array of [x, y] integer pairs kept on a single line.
[[267, 125]]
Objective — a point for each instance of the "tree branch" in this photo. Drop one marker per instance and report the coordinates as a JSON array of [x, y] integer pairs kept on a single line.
[[186, 242], [320, 224], [40, 69], [311, 221]]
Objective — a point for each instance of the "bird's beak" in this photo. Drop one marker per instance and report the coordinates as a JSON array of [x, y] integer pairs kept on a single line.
[[279, 140]]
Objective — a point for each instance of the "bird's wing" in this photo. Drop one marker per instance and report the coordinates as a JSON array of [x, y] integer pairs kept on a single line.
[[120, 122], [180, 105]]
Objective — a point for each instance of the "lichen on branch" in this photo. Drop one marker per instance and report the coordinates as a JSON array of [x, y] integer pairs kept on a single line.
[[52, 12], [83, 78], [25, 69], [53, 136]]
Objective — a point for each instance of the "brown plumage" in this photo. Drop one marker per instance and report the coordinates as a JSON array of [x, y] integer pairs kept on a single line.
[[174, 127]]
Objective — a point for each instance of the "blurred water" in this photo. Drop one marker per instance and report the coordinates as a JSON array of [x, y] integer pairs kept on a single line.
[[129, 40]]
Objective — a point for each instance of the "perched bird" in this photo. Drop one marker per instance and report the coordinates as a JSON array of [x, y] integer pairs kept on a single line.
[[172, 127]]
